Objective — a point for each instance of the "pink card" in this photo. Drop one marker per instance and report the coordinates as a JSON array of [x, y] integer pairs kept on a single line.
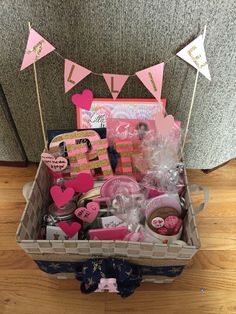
[[101, 109], [132, 129], [108, 233]]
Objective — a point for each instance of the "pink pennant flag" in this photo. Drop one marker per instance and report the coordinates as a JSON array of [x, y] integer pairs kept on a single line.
[[37, 47], [73, 74], [115, 82], [152, 79]]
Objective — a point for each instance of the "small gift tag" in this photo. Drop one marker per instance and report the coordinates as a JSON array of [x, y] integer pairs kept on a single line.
[[164, 124], [88, 213], [56, 233], [112, 221], [56, 164], [70, 229], [60, 197]]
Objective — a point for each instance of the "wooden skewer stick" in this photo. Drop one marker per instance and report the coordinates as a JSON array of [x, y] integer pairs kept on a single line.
[[39, 101], [192, 101]]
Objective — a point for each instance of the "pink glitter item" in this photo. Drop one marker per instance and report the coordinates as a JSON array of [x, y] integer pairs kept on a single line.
[[157, 222], [162, 231], [171, 222]]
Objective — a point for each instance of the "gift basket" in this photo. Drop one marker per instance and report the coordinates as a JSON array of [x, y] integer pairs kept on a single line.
[[110, 204]]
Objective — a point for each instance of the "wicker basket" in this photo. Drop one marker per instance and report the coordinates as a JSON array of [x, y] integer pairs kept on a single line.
[[159, 256]]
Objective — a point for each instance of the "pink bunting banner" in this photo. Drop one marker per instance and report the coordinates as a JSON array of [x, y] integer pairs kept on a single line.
[[194, 53], [37, 47], [73, 74], [152, 79], [115, 82]]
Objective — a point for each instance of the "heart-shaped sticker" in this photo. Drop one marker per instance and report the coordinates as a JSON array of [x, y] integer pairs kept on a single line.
[[82, 183], [69, 229], [89, 213], [56, 164], [84, 100], [164, 124], [60, 197]]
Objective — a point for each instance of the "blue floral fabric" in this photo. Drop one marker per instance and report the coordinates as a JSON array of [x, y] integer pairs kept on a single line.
[[89, 273]]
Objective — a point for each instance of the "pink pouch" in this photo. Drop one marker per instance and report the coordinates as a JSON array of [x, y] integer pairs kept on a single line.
[[108, 233]]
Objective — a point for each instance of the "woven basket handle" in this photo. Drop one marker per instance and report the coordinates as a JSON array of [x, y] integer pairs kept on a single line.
[[200, 188]]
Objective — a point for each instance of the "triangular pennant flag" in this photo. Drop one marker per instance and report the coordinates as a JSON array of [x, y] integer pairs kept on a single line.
[[37, 47], [73, 74], [152, 79], [115, 82], [194, 54]]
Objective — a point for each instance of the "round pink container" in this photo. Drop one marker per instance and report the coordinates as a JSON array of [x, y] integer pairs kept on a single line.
[[165, 200]]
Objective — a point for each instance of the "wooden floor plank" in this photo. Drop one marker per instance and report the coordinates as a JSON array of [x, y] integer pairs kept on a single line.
[[207, 287]]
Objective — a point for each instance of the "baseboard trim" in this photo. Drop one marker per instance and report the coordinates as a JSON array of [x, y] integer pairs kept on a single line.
[[22, 163]]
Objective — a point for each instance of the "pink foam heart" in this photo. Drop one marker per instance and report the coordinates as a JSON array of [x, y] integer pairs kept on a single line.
[[69, 229], [89, 213], [164, 124], [84, 100], [83, 183], [60, 197], [55, 164]]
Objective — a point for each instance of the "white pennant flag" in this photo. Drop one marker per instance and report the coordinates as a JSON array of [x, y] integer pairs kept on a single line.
[[194, 54]]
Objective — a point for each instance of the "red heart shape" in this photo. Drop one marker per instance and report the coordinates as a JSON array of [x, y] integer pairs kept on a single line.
[[60, 197], [69, 229], [84, 100], [82, 183], [89, 213], [164, 124]]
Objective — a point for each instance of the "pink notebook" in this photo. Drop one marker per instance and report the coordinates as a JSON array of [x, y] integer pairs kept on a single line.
[[131, 129], [103, 108]]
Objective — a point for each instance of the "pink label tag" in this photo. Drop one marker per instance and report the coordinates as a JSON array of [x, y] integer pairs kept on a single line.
[[164, 124], [60, 197], [89, 213], [55, 164], [69, 229]]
